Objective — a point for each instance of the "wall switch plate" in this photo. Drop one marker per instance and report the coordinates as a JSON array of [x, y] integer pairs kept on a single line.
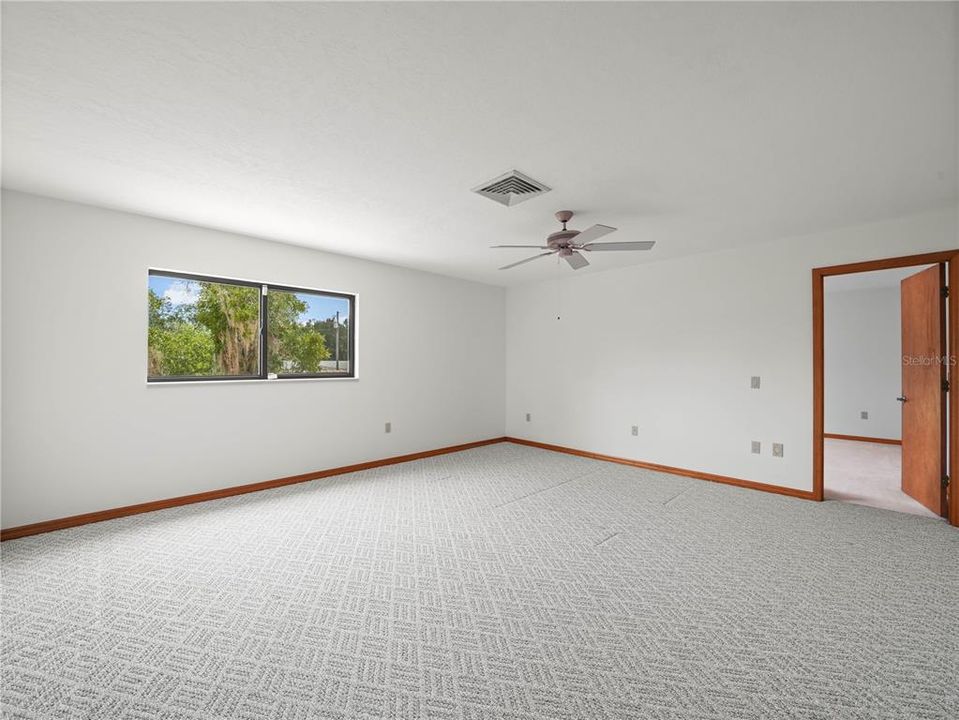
[[864, 415], [757, 447], [777, 449], [528, 417], [754, 382], [389, 427], [635, 430]]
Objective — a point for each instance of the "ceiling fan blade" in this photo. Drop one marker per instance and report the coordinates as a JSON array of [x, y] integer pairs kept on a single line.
[[593, 233], [507, 267], [577, 261], [533, 247], [637, 245]]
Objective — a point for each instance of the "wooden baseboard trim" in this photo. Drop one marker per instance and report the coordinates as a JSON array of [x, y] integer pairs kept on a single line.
[[792, 492], [101, 515], [119, 512], [860, 438]]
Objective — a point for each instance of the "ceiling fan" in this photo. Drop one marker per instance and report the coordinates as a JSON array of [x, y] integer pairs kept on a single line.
[[570, 243]]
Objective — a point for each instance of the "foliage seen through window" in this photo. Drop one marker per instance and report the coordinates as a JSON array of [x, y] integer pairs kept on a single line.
[[203, 329]]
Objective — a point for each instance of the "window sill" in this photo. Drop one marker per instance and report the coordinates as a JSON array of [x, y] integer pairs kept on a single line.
[[249, 381]]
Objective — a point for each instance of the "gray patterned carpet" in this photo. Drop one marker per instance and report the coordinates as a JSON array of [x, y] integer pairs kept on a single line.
[[502, 582]]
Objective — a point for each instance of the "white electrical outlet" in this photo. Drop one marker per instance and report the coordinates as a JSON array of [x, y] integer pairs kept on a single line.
[[528, 417], [754, 382], [757, 447], [635, 430], [777, 449], [864, 415], [389, 427]]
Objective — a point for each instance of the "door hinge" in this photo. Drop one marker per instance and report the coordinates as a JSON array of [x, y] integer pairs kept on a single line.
[[945, 481], [945, 291], [945, 386]]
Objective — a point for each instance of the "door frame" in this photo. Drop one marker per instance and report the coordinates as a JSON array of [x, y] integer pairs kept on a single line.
[[951, 259]]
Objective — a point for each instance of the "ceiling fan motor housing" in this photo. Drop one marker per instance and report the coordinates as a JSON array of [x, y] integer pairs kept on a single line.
[[561, 238]]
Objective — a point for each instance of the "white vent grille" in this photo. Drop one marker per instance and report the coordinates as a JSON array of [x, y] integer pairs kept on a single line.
[[511, 188]]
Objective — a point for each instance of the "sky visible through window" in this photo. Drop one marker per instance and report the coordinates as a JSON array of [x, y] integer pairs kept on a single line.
[[185, 292]]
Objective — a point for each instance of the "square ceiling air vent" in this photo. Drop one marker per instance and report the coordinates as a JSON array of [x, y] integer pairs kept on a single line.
[[511, 188]]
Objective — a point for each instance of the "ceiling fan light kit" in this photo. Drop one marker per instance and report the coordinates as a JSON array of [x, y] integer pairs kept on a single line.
[[569, 244]]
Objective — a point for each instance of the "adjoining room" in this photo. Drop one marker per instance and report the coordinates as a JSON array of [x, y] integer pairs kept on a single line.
[[864, 395]]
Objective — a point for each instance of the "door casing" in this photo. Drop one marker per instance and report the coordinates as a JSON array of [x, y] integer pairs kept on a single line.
[[951, 258]]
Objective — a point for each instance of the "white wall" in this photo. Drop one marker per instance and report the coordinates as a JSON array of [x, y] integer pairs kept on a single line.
[[671, 346], [668, 346], [83, 431], [863, 367]]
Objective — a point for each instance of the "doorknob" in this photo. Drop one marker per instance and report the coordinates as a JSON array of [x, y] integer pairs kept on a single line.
[[901, 399]]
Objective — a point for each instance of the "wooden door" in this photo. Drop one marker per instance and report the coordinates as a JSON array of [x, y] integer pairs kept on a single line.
[[923, 387]]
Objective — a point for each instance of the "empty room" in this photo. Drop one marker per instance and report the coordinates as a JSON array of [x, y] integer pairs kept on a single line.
[[469, 360]]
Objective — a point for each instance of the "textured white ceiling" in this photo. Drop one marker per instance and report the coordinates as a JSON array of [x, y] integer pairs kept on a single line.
[[360, 128]]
